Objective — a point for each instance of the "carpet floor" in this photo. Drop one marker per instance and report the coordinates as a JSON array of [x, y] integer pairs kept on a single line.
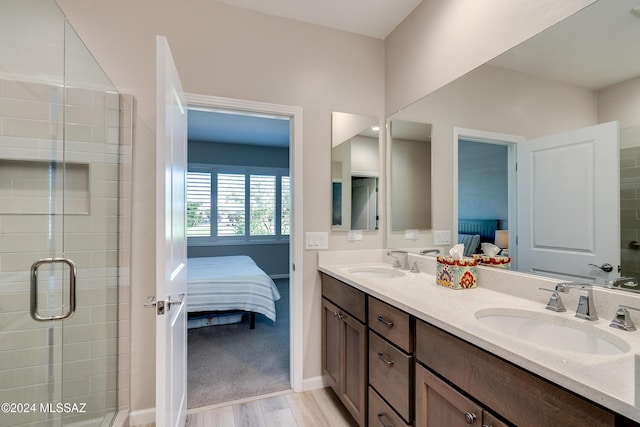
[[230, 362]]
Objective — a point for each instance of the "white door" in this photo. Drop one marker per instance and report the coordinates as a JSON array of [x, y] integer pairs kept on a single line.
[[568, 204], [171, 248]]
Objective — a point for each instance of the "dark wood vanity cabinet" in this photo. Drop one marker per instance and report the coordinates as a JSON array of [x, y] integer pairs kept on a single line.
[[516, 395], [393, 370], [344, 345]]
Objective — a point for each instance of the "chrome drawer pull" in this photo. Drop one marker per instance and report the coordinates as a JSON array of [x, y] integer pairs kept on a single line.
[[385, 321], [381, 419], [470, 417], [388, 362]]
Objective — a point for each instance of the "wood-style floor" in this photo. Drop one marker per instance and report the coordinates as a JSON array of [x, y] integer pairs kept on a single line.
[[319, 408]]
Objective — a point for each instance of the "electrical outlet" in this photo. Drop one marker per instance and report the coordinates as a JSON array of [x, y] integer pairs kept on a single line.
[[354, 235], [411, 234], [441, 237]]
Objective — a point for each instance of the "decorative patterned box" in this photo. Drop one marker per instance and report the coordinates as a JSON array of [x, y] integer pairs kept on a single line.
[[498, 262], [456, 273]]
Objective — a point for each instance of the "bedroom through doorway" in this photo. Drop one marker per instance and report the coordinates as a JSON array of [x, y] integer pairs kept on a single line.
[[484, 190], [239, 194]]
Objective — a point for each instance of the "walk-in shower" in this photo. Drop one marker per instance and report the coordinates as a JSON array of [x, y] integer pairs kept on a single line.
[[59, 216]]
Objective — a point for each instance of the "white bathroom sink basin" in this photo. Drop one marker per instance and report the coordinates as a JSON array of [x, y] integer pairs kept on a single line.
[[377, 272], [552, 331]]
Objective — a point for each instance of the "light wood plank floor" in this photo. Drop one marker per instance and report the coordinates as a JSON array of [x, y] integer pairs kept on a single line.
[[315, 408]]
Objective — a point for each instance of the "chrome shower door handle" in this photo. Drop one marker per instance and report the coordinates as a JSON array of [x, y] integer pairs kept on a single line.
[[73, 272]]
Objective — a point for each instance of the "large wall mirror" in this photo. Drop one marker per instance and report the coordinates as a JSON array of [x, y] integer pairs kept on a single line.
[[582, 73], [355, 146]]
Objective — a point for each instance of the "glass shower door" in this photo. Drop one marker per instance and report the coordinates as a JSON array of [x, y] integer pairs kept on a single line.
[[59, 189]]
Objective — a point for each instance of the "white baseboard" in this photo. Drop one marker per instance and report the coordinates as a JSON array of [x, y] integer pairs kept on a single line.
[[142, 417], [314, 383]]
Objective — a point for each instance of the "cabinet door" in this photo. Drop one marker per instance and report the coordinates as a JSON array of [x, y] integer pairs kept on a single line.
[[331, 326], [354, 358], [438, 404], [344, 358]]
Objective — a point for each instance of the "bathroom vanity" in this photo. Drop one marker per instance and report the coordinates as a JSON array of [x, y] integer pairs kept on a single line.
[[399, 350]]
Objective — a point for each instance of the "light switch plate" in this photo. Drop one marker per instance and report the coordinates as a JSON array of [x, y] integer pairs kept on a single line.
[[354, 235], [316, 240], [441, 237]]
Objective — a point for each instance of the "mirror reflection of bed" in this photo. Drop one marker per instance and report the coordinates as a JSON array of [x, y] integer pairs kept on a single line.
[[238, 193], [472, 233]]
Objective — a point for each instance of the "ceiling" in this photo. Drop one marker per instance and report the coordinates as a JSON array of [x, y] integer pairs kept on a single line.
[[588, 61], [231, 127], [373, 18]]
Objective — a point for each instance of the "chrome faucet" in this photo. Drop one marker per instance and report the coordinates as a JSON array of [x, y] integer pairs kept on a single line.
[[624, 283], [401, 259], [586, 309], [429, 251]]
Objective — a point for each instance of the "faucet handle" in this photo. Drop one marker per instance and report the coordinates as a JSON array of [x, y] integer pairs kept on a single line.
[[555, 302], [622, 319], [414, 267]]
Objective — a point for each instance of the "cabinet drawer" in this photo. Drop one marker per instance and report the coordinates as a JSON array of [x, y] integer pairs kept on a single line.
[[517, 395], [344, 296], [390, 374], [391, 323], [381, 414]]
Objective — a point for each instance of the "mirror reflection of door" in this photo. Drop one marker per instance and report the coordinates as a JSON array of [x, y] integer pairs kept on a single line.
[[364, 202], [574, 224], [483, 192]]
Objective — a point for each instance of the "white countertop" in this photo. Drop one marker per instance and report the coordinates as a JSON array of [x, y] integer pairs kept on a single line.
[[609, 380]]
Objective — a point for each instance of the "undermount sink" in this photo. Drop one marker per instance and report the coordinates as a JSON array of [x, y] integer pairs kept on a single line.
[[552, 331], [376, 272]]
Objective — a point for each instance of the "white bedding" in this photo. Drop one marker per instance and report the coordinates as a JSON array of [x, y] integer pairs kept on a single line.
[[230, 283]]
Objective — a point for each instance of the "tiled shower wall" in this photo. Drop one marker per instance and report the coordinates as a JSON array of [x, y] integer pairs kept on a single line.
[[630, 210], [81, 365]]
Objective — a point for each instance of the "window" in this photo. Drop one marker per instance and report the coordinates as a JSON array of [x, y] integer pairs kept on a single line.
[[198, 204], [249, 204]]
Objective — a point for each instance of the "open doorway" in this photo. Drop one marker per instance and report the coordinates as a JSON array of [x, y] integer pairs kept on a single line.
[[484, 190], [240, 341]]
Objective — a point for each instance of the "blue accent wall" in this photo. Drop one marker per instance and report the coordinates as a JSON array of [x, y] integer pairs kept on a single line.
[[482, 181]]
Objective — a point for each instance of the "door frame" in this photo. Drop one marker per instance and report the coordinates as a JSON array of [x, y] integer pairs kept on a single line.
[[296, 270], [486, 137]]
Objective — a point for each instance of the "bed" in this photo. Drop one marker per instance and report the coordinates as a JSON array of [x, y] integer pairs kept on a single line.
[[229, 284], [473, 232]]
